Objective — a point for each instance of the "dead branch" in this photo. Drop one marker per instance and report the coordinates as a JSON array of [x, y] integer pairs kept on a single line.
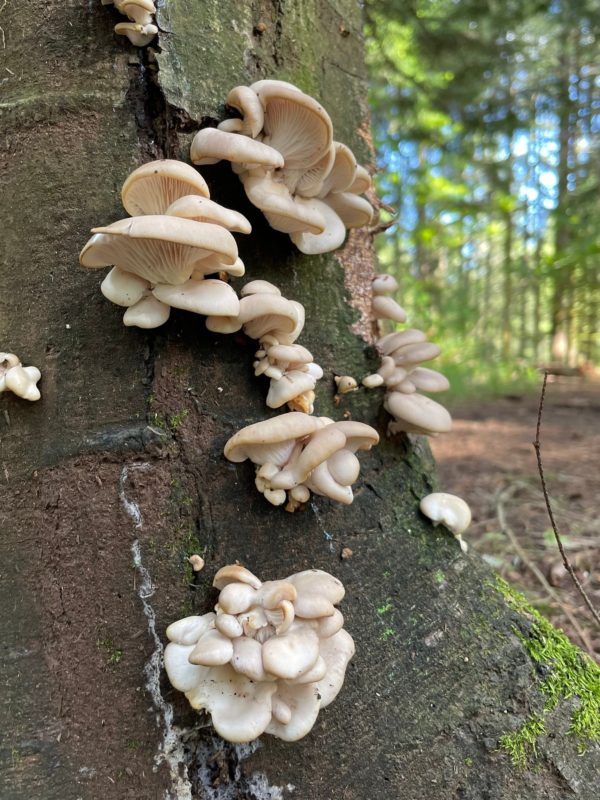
[[538, 454]]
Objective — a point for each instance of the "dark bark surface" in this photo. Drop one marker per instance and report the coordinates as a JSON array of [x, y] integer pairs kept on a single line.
[[117, 475]]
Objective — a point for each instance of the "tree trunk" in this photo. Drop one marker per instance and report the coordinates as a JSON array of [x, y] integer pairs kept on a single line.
[[117, 475]]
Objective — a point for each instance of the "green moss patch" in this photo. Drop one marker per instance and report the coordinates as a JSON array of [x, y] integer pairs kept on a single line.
[[570, 674]]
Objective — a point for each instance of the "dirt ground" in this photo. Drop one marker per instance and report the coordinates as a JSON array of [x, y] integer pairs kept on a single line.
[[490, 461]]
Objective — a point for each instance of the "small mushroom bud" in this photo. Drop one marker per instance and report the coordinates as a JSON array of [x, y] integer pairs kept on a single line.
[[345, 384]]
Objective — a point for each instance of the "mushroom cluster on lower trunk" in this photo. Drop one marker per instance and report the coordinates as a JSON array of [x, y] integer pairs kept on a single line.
[[16, 378], [296, 454], [306, 184], [162, 254], [140, 30], [268, 659], [276, 323]]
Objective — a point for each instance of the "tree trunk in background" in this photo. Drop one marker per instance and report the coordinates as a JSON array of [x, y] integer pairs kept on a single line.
[[507, 286], [562, 278], [129, 416]]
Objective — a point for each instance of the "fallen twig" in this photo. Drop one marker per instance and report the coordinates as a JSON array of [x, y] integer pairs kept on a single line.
[[504, 495], [538, 454]]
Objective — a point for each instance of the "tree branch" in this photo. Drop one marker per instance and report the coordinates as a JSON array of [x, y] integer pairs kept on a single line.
[[538, 454]]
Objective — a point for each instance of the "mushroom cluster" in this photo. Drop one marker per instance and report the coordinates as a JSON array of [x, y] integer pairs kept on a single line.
[[296, 454], [402, 353], [141, 29], [268, 659], [386, 307], [16, 378], [306, 184], [175, 237], [450, 510], [276, 323]]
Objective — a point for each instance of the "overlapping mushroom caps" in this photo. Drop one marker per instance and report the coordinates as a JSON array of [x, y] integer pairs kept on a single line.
[[16, 378], [268, 659], [282, 148], [162, 254], [296, 454], [450, 510], [141, 29], [400, 372], [276, 323]]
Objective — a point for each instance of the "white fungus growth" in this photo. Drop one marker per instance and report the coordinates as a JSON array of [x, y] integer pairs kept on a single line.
[[268, 658], [282, 148], [141, 29], [276, 323], [296, 454], [175, 237], [450, 510], [16, 378], [402, 353]]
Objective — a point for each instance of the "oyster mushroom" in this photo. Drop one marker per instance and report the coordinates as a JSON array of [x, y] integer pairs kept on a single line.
[[281, 667], [299, 454], [450, 510], [19, 380]]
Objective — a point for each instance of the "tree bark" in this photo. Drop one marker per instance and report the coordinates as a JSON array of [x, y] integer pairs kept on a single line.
[[117, 475]]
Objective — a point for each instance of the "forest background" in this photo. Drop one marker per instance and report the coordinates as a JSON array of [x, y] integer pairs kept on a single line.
[[486, 123]]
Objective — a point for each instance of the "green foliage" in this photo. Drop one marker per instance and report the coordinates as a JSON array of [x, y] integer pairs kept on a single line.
[[496, 242], [113, 654], [569, 674]]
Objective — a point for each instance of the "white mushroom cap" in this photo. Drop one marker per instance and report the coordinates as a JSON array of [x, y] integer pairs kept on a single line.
[[392, 341], [271, 440], [202, 209], [159, 248], [331, 237], [188, 630], [138, 35], [387, 308], [354, 211], [124, 288], [245, 100], [139, 11], [417, 414], [289, 386], [292, 653], [343, 170], [362, 181], [262, 314], [146, 313], [235, 573], [310, 182], [345, 384], [412, 354], [240, 707], [322, 444], [449, 509], [337, 651], [384, 284], [153, 187], [212, 144], [294, 124], [429, 380], [298, 708], [283, 212], [259, 287], [372, 381], [200, 297], [211, 650], [21, 381]]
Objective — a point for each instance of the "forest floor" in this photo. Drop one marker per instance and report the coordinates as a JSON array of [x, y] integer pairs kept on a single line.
[[490, 461]]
